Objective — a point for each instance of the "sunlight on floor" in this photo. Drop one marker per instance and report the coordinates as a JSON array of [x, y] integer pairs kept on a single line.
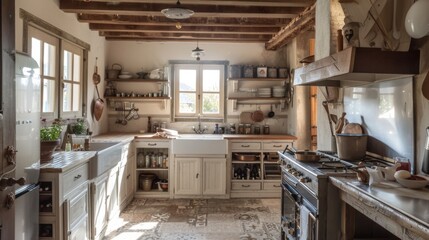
[[144, 226]]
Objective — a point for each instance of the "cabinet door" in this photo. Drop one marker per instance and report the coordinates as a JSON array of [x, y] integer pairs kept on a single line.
[[129, 178], [188, 176], [112, 194], [122, 178], [76, 215], [99, 206], [214, 176]]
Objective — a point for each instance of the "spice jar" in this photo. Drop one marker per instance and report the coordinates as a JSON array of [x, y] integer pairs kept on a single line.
[[256, 130], [240, 128]]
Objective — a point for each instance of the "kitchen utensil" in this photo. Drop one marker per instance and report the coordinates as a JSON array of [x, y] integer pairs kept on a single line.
[[389, 172], [334, 118], [351, 146], [258, 116], [325, 105], [352, 128], [246, 157], [246, 117], [415, 182], [425, 165], [340, 123], [425, 86], [271, 112], [307, 156], [95, 75]]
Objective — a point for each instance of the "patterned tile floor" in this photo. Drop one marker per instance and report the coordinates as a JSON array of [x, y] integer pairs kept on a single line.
[[205, 219]]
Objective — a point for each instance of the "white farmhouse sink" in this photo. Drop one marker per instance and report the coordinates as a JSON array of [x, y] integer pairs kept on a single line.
[[108, 155], [199, 144]]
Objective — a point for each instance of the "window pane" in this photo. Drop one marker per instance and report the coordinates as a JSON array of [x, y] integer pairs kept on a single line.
[[76, 97], [67, 97], [187, 80], [211, 80], [48, 95], [36, 45], [49, 60], [76, 68], [211, 103], [67, 65], [187, 103]]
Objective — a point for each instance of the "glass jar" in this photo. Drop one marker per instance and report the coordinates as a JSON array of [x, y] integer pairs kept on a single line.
[[240, 128], [147, 161], [266, 129], [248, 128], [256, 130], [140, 160]]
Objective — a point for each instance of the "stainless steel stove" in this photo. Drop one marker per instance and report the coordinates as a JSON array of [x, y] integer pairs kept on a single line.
[[305, 198]]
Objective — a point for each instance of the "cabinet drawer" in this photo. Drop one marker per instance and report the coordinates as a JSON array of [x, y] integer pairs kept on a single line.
[[246, 145], [275, 146], [246, 186], [74, 178], [153, 144], [272, 186], [78, 207]]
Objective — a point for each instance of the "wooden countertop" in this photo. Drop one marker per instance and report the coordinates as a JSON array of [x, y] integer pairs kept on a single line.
[[406, 207], [64, 161], [114, 137]]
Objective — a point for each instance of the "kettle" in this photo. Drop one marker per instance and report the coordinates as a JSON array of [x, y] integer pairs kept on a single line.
[[425, 165]]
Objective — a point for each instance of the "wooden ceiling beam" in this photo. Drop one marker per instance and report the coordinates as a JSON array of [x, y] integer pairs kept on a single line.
[[270, 3], [184, 29], [190, 36], [193, 21], [226, 40], [302, 23], [154, 9]]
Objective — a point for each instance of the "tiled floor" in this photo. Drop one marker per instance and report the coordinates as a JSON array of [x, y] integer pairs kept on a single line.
[[212, 219]]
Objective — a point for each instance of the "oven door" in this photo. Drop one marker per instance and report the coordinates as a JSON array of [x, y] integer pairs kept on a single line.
[[289, 211], [307, 222]]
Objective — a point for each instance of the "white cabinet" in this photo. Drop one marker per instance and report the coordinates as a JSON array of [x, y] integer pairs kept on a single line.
[[151, 165], [64, 208], [196, 176], [76, 215], [255, 167], [125, 176], [99, 205]]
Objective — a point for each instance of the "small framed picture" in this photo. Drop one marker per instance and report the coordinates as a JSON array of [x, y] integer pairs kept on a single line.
[[261, 72]]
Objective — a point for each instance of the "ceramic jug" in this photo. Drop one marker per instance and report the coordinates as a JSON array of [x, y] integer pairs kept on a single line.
[[389, 172]]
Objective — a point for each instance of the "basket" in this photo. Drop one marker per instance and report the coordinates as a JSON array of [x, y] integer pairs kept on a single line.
[[114, 73]]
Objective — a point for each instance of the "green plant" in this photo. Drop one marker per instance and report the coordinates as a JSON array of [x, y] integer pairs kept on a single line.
[[79, 127], [51, 133]]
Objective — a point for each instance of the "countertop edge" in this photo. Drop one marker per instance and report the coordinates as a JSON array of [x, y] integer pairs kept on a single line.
[[60, 166], [382, 208]]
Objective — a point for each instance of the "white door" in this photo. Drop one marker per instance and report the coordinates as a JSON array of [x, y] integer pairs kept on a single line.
[[112, 194], [214, 176], [99, 205], [188, 176]]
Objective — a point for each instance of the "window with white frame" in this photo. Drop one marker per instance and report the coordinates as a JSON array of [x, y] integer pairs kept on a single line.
[[199, 90], [61, 74]]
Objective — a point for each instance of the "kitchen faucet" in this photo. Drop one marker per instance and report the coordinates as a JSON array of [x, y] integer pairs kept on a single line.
[[199, 130]]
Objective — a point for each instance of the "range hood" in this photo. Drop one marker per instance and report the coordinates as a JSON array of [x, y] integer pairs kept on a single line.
[[358, 66]]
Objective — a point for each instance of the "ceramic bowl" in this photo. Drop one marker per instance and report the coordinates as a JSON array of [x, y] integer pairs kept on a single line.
[[414, 182]]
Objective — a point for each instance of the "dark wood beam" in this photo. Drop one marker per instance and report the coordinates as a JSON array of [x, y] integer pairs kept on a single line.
[[193, 21], [271, 3], [226, 40], [185, 29], [304, 22], [154, 9]]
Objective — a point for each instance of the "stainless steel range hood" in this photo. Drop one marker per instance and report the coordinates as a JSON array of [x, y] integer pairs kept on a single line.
[[358, 66]]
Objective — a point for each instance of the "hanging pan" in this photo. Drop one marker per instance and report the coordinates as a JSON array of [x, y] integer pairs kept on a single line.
[[98, 103]]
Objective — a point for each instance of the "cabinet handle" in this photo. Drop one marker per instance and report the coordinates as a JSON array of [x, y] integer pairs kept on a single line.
[[277, 145], [128, 176], [245, 145], [151, 144], [197, 175], [77, 177], [276, 185], [245, 185]]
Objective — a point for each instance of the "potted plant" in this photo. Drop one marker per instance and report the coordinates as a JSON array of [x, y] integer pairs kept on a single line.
[[80, 127], [49, 141]]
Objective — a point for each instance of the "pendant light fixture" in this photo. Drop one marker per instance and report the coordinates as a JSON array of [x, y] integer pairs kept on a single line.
[[197, 53], [177, 12]]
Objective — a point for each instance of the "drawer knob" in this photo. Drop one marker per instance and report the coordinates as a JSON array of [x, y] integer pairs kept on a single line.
[[245, 145], [245, 185], [77, 177], [276, 186], [277, 146], [151, 144]]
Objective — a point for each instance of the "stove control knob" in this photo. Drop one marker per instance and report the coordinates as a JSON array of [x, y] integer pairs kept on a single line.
[[305, 179], [288, 166], [297, 173], [292, 170]]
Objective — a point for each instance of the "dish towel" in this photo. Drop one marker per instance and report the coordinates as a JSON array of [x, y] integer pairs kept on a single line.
[[304, 228]]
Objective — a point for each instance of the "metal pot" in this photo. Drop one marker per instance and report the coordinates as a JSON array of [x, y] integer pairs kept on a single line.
[[307, 156], [351, 146], [246, 157]]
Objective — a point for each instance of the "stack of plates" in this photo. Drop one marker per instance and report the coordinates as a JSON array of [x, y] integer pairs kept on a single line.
[[279, 91], [264, 92]]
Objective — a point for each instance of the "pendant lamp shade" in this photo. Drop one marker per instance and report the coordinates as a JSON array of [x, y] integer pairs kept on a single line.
[[177, 12]]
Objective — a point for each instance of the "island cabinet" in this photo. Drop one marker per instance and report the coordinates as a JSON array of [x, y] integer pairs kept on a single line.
[[199, 176], [255, 166], [64, 207]]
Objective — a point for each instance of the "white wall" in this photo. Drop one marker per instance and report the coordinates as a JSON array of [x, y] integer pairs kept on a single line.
[[145, 56], [48, 10]]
